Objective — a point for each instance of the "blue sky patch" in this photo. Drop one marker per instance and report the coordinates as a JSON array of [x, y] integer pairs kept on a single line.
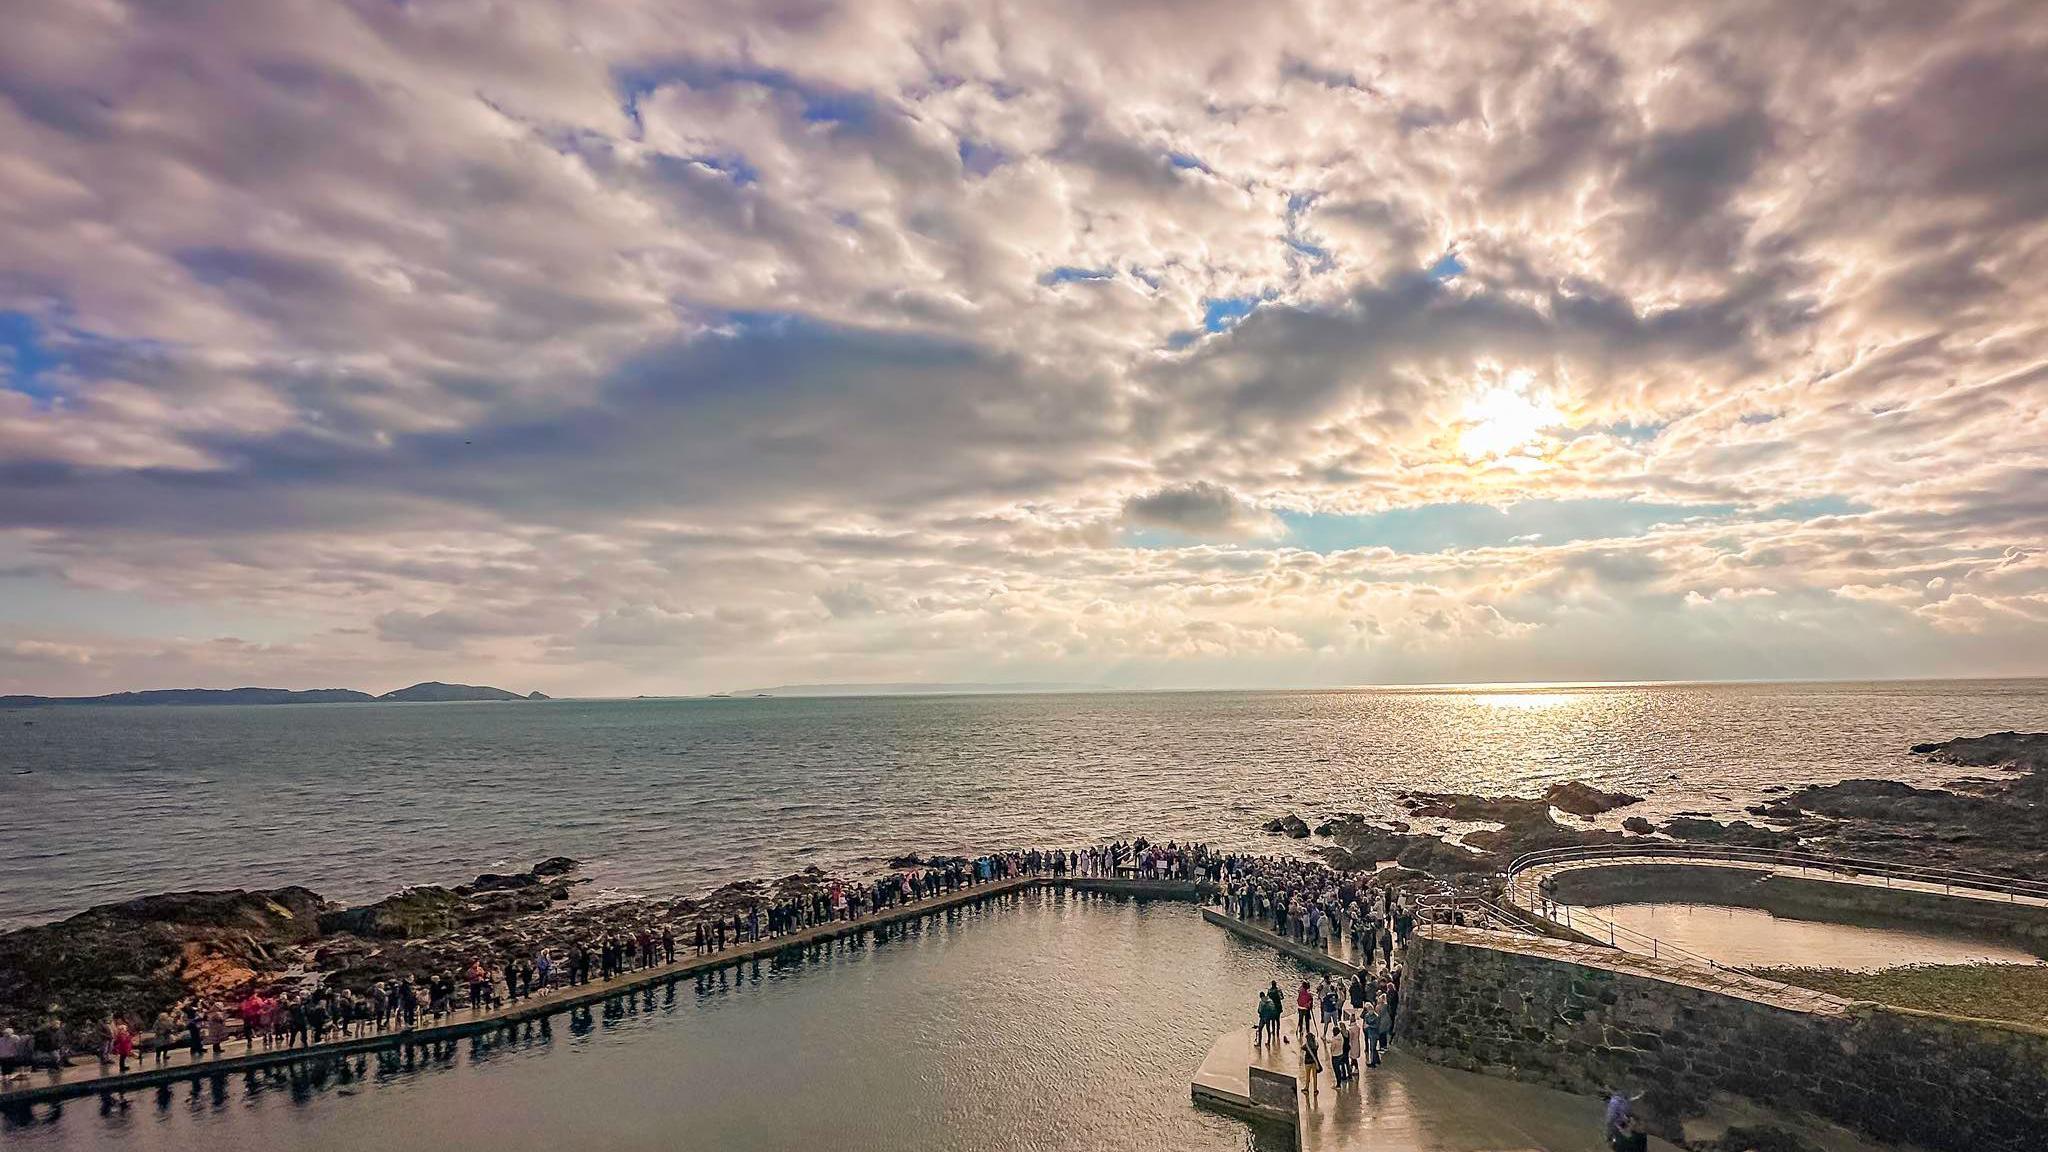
[[1437, 527], [1219, 313], [980, 159], [1446, 268], [1632, 432], [1319, 257], [827, 107], [23, 358], [1068, 274], [820, 105], [733, 168]]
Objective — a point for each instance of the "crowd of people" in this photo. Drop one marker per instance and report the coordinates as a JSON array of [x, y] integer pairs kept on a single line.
[[1342, 1025], [285, 1018], [1311, 903], [1304, 901]]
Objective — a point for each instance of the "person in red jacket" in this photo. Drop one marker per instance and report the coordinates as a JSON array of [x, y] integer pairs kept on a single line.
[[124, 1043], [251, 1011]]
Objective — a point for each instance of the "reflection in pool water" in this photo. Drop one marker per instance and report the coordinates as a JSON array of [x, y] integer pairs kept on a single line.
[[1049, 1021], [1750, 937]]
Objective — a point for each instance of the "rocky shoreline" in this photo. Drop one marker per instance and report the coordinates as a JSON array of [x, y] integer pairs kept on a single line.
[[140, 957], [1996, 824], [137, 958]]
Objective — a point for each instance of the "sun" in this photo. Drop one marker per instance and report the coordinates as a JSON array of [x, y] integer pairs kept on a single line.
[[1506, 421]]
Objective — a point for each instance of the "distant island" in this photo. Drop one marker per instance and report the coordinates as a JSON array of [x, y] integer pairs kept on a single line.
[[430, 690], [913, 689]]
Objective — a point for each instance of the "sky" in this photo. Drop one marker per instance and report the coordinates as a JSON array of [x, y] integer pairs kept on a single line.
[[686, 345]]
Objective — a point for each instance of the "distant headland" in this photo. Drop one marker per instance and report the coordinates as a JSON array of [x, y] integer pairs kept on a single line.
[[429, 690]]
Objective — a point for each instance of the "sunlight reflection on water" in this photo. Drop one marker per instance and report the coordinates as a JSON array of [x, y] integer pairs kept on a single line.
[[669, 796]]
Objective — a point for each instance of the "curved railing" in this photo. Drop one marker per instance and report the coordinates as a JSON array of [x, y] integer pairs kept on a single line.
[[1525, 891], [1947, 879]]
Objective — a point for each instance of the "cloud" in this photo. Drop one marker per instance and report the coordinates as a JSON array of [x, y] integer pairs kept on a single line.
[[1201, 510], [669, 346]]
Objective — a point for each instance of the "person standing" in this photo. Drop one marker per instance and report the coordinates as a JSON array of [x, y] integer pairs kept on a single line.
[[1627, 1136], [1381, 1029], [1340, 1062], [1304, 1005], [1311, 1065], [1393, 1001], [122, 1043], [251, 1012], [165, 1033]]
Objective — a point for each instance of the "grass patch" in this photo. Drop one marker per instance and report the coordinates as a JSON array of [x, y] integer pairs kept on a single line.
[[1988, 991]]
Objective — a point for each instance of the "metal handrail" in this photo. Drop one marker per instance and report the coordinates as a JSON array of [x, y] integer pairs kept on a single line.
[[1438, 905], [1592, 925], [1949, 878], [1584, 922]]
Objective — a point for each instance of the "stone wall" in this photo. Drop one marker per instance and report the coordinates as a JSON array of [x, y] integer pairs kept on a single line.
[[1592, 1020], [1804, 898]]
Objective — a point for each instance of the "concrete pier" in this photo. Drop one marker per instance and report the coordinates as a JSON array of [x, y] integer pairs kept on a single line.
[[1246, 1080], [1343, 963], [88, 1077]]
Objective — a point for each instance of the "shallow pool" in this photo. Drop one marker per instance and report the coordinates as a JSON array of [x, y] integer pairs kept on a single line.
[[1750, 937], [1045, 1021]]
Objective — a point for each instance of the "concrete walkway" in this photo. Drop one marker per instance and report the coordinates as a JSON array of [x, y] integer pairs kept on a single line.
[[89, 1077], [1406, 1104], [1410, 1105]]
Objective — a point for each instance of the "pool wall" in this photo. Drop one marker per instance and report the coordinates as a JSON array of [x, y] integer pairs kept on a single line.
[[1801, 898], [85, 1079], [1595, 1020]]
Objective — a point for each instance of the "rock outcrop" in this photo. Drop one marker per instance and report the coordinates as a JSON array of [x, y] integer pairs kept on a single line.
[[1288, 825], [2014, 751], [1582, 799], [431, 909], [1998, 825], [138, 957], [1738, 834]]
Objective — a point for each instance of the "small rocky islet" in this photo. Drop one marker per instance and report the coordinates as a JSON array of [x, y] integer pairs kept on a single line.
[[139, 957]]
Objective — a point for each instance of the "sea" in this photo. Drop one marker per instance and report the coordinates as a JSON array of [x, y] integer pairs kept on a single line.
[[677, 796]]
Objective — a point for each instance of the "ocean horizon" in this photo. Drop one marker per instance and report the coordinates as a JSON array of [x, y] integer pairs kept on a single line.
[[677, 796]]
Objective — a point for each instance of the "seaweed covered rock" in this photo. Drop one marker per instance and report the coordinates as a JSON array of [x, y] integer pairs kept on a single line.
[[410, 914], [138, 957], [1738, 833]]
